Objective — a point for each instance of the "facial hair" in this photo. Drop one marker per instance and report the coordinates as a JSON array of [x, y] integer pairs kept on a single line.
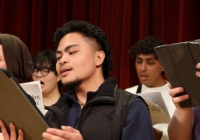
[[72, 84]]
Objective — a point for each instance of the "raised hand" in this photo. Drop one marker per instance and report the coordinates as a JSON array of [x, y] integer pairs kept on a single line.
[[177, 99]]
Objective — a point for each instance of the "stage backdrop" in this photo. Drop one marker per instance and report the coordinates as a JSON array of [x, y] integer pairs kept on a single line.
[[123, 21]]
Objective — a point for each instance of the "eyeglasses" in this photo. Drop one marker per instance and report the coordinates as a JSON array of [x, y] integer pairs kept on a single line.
[[43, 71]]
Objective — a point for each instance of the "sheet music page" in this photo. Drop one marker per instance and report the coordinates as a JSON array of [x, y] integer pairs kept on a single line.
[[157, 107], [34, 90]]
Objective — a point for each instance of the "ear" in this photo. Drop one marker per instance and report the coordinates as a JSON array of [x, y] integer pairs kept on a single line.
[[100, 56], [161, 65], [163, 69]]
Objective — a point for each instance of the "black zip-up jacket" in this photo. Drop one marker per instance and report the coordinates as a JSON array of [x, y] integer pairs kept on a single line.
[[105, 114]]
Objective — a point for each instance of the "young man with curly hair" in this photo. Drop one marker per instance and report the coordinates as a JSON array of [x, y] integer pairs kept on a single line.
[[150, 73], [93, 108]]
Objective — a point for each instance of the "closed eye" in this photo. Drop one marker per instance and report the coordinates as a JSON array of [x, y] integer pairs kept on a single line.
[[151, 63], [138, 61], [72, 52], [58, 57]]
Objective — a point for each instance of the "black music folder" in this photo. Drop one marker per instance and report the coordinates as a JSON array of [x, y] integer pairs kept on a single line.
[[15, 107], [179, 62]]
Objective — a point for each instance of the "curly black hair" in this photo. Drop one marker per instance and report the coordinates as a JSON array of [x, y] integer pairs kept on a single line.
[[145, 46], [91, 32]]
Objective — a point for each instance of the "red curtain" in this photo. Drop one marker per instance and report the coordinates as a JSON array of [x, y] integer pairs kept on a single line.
[[123, 21]]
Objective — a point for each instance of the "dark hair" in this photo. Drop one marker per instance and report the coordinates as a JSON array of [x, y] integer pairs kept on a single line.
[[145, 46], [47, 59], [91, 32]]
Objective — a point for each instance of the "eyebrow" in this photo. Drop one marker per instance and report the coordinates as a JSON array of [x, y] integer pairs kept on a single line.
[[66, 48]]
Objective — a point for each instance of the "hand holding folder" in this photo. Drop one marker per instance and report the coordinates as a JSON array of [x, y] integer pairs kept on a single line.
[[179, 62], [15, 107]]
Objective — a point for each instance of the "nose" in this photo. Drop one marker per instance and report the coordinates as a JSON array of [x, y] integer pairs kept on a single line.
[[39, 74], [64, 59], [143, 66]]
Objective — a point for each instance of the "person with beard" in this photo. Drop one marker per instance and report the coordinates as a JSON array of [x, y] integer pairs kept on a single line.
[[45, 71], [16, 58], [150, 73], [93, 108]]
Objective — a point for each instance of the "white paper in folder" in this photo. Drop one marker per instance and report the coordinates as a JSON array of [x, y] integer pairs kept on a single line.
[[157, 107], [34, 90]]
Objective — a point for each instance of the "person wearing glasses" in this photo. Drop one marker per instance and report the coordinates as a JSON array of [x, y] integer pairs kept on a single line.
[[94, 107], [45, 71]]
